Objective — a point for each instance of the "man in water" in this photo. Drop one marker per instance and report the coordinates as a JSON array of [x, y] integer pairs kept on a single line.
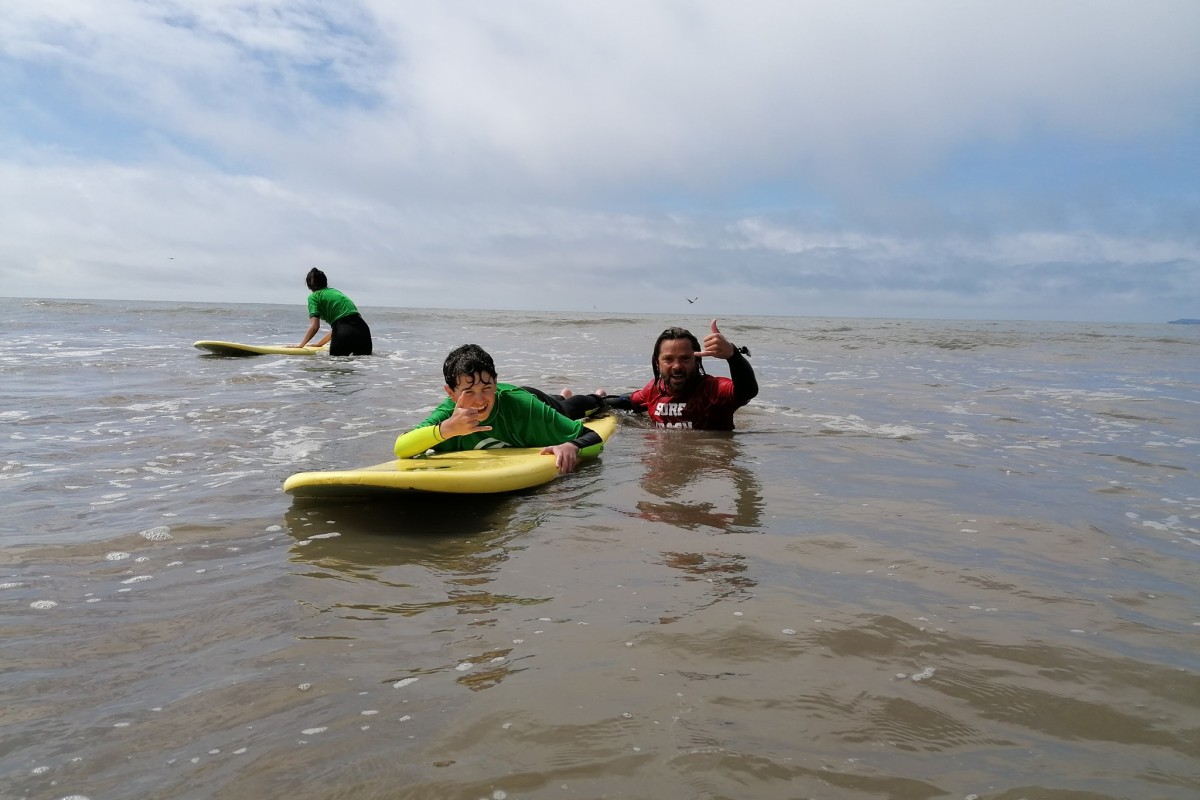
[[682, 395]]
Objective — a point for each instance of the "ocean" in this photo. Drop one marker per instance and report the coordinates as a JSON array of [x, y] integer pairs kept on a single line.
[[936, 559]]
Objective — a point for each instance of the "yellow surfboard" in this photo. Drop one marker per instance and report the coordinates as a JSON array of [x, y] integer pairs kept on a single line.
[[238, 349], [504, 469]]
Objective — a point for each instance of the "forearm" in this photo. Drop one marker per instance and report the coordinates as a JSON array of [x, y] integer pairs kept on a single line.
[[314, 325], [417, 441], [745, 384], [588, 439], [623, 402]]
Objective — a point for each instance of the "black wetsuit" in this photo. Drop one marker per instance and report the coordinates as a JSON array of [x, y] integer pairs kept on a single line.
[[351, 337]]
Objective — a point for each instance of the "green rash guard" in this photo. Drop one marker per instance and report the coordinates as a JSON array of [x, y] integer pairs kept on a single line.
[[330, 305], [518, 419]]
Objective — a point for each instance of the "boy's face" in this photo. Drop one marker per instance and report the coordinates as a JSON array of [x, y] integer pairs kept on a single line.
[[474, 392]]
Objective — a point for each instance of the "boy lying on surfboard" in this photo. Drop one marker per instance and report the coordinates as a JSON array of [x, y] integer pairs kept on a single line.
[[481, 413]]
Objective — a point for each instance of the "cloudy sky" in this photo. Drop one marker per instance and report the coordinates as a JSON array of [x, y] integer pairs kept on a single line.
[[969, 160]]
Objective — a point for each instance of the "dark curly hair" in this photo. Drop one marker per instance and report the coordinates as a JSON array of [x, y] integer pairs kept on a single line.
[[316, 280], [467, 359]]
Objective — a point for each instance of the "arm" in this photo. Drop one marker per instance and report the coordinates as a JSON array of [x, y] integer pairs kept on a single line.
[[745, 384], [417, 441], [447, 421], [589, 439], [314, 325], [541, 422], [566, 456], [623, 402]]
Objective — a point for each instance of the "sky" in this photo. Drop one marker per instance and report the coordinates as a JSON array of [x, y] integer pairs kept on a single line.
[[1011, 160]]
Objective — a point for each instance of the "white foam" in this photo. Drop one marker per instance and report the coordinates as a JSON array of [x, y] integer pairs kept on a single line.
[[42, 605], [161, 405], [160, 533]]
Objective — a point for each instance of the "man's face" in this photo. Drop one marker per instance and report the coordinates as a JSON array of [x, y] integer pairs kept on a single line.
[[476, 392], [677, 366]]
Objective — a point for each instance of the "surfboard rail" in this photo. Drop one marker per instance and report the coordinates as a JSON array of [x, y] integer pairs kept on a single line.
[[219, 348]]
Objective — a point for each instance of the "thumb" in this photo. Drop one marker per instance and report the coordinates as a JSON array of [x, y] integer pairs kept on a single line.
[[714, 327]]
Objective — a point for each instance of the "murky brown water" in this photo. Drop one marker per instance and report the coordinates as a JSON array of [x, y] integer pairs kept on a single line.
[[915, 571]]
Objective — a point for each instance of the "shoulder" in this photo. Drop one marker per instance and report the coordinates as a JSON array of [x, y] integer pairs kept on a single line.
[[647, 390], [509, 395]]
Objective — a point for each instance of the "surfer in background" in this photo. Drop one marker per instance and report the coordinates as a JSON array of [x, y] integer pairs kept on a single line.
[[349, 334], [480, 413], [682, 395]]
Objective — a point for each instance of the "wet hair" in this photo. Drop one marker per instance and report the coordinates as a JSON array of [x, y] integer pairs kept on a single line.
[[671, 334], [467, 359], [316, 280]]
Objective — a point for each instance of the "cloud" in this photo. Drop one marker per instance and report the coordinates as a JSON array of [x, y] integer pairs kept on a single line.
[[894, 159]]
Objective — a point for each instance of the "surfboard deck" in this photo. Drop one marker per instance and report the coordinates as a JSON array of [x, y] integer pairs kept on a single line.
[[505, 469], [239, 349]]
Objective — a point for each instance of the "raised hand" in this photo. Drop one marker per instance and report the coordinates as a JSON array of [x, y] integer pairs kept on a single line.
[[468, 413], [715, 344]]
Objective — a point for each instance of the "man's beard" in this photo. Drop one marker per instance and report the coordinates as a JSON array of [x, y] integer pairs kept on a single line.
[[685, 383]]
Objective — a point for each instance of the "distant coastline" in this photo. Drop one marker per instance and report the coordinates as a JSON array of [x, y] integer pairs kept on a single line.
[[1184, 322]]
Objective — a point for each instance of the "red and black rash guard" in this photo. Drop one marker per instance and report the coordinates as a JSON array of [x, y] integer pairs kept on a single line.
[[708, 407]]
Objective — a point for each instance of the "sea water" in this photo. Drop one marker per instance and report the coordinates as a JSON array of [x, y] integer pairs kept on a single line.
[[936, 559]]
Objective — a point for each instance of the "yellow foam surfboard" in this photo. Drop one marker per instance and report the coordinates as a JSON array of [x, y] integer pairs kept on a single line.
[[238, 349], [504, 469]]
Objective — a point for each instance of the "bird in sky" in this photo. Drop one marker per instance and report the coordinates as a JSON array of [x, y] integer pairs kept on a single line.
[[691, 299]]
